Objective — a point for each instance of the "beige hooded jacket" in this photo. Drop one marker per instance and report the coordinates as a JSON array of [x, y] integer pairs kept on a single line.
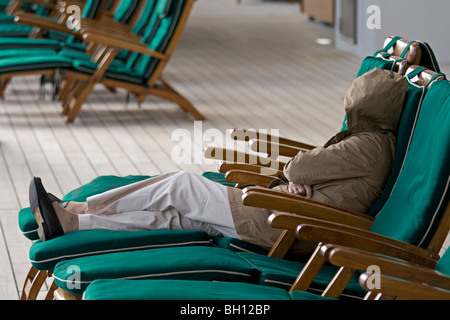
[[351, 169]]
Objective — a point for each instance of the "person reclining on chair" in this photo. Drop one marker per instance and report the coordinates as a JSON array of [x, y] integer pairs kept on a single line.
[[349, 171]]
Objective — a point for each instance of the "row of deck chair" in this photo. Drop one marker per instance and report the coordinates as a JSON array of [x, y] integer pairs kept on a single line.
[[410, 224], [119, 44]]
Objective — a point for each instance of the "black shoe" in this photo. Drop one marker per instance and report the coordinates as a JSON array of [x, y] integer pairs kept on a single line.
[[43, 211]]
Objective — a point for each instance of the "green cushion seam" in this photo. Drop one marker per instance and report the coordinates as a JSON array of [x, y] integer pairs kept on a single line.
[[147, 276], [121, 249]]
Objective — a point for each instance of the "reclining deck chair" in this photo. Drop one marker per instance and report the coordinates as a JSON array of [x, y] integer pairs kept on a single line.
[[412, 226], [398, 280], [15, 51], [242, 173], [397, 54], [45, 255], [43, 260], [140, 75], [8, 28], [189, 263], [124, 13]]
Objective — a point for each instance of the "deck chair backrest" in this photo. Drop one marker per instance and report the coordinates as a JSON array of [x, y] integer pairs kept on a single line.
[[428, 58], [403, 48], [91, 9], [144, 20], [422, 54], [424, 76], [421, 193], [125, 11], [417, 78], [160, 30]]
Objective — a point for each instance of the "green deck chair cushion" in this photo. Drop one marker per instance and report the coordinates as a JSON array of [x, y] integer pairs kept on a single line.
[[411, 108], [420, 195], [116, 71], [45, 255], [191, 263], [14, 30], [282, 273], [25, 43], [30, 63], [198, 263], [8, 53], [188, 290]]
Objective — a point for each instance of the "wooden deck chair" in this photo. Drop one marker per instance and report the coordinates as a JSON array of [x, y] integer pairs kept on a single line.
[[410, 231], [403, 201], [15, 60], [53, 35], [243, 174], [397, 54], [8, 28], [421, 247], [396, 280], [143, 76], [43, 260]]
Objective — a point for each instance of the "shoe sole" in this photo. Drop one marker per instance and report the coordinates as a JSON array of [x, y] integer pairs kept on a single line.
[[34, 204]]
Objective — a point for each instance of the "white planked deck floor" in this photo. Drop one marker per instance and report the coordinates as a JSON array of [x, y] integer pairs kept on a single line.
[[254, 65]]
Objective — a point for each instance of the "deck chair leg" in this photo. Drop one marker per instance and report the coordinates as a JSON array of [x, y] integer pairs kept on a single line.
[[4, 83], [51, 292], [168, 93], [33, 283], [64, 89], [78, 102], [309, 271], [338, 283], [75, 90]]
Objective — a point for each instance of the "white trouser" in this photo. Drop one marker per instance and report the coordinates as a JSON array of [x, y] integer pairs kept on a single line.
[[180, 201]]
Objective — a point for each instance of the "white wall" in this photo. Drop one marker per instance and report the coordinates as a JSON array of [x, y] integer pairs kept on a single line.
[[424, 20]]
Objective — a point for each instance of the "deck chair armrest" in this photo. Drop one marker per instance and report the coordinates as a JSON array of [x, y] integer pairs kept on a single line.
[[121, 42], [248, 134], [287, 202], [40, 22], [227, 166], [362, 259], [242, 177], [272, 148], [290, 221], [114, 27], [403, 289], [368, 241], [241, 157]]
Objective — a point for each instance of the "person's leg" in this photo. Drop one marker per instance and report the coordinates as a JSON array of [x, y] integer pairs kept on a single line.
[[144, 220], [195, 198]]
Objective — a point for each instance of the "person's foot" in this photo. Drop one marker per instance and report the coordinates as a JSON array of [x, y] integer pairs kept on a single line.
[[53, 220], [67, 218]]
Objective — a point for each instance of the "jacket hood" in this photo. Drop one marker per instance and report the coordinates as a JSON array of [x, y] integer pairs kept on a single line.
[[375, 101]]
